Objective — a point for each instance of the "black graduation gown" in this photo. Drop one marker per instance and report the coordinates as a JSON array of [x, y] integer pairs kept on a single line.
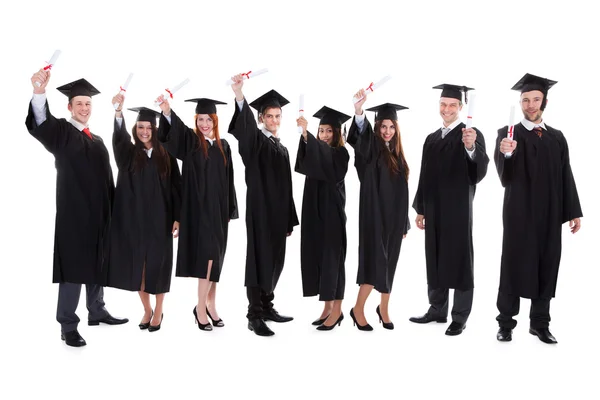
[[208, 202], [445, 197], [323, 228], [146, 206], [270, 209], [84, 197], [539, 196], [383, 210]]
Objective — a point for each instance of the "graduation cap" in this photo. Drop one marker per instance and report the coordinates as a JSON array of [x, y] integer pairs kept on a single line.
[[268, 100], [146, 114], [387, 111], [332, 117], [80, 87], [531, 82], [206, 106], [453, 91]]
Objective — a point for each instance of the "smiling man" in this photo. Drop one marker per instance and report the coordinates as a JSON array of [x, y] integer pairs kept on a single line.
[[454, 161], [270, 209], [540, 195], [84, 196]]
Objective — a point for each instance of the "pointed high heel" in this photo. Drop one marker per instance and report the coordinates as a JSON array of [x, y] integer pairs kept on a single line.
[[147, 324], [386, 325], [218, 324], [324, 327], [152, 328], [360, 327], [318, 322], [202, 327]]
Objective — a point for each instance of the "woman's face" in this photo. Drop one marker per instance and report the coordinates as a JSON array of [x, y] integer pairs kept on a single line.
[[326, 133], [387, 130], [205, 125], [143, 130]]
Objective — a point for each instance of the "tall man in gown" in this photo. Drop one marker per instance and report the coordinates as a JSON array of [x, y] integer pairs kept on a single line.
[[454, 162], [84, 196], [539, 196], [270, 209]]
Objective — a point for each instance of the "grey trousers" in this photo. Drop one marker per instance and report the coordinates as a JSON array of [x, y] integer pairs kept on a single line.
[[68, 300], [461, 307]]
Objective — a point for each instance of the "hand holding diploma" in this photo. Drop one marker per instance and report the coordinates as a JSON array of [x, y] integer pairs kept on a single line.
[[171, 92], [122, 91], [48, 66], [301, 128], [371, 88], [247, 75], [508, 145], [117, 101], [362, 96]]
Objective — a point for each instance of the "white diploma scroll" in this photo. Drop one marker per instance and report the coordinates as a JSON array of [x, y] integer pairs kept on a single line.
[[124, 88], [49, 64], [171, 92], [300, 110], [248, 75], [470, 112], [372, 86]]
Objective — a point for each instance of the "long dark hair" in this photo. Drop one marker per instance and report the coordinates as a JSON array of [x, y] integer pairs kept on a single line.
[[396, 154], [337, 140], [202, 141], [163, 162]]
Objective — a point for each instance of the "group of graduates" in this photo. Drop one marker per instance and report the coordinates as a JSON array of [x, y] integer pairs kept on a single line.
[[123, 237]]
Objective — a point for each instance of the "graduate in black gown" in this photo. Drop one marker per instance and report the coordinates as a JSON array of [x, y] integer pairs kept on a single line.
[[383, 211], [208, 204], [454, 161], [270, 209], [145, 217], [539, 196], [324, 162], [84, 198]]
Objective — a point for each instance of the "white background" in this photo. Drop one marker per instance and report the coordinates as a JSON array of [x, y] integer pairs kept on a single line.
[[327, 50]]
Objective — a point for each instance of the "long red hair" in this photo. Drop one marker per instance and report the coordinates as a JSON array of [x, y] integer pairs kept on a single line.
[[396, 154], [202, 142]]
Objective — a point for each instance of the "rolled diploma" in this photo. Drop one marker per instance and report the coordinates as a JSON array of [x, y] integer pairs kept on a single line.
[[511, 126], [470, 112], [124, 88], [49, 64], [249, 74], [170, 92], [372, 87], [300, 110]]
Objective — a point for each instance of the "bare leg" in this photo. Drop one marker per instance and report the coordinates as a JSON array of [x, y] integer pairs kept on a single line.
[[158, 309], [336, 311], [327, 307], [359, 307], [203, 289], [383, 307], [211, 301], [145, 297]]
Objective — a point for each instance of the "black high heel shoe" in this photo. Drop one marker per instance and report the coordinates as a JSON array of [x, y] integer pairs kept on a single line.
[[318, 322], [218, 324], [202, 327], [386, 325], [324, 327], [360, 327], [147, 324], [152, 328]]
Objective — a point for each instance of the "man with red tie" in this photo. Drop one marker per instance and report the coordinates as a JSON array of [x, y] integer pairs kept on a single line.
[[540, 195], [84, 196]]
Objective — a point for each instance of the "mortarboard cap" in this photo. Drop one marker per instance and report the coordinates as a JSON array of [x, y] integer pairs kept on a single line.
[[453, 91], [269, 99], [206, 106], [531, 82], [146, 114], [329, 116], [80, 87], [387, 111]]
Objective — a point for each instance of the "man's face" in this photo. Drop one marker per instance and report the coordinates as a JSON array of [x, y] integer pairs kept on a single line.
[[271, 119], [531, 103], [81, 108], [449, 109]]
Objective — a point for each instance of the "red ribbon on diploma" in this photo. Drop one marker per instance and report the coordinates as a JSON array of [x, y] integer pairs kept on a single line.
[[247, 74], [47, 67], [168, 91], [123, 90], [370, 87]]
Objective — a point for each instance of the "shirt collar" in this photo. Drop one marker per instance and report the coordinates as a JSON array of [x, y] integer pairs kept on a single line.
[[267, 133], [148, 151], [530, 125], [77, 124], [452, 125]]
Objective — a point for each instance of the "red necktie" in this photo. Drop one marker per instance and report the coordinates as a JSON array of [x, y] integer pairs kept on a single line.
[[538, 131], [87, 132]]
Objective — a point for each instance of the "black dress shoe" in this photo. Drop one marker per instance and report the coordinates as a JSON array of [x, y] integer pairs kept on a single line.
[[360, 327], [427, 318], [145, 325], [73, 338], [543, 334], [109, 320], [154, 328], [504, 335], [258, 326], [203, 327], [318, 322], [386, 325], [455, 328], [272, 315], [324, 327], [218, 324]]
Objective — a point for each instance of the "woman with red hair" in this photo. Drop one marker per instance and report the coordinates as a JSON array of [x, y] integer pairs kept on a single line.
[[208, 200]]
